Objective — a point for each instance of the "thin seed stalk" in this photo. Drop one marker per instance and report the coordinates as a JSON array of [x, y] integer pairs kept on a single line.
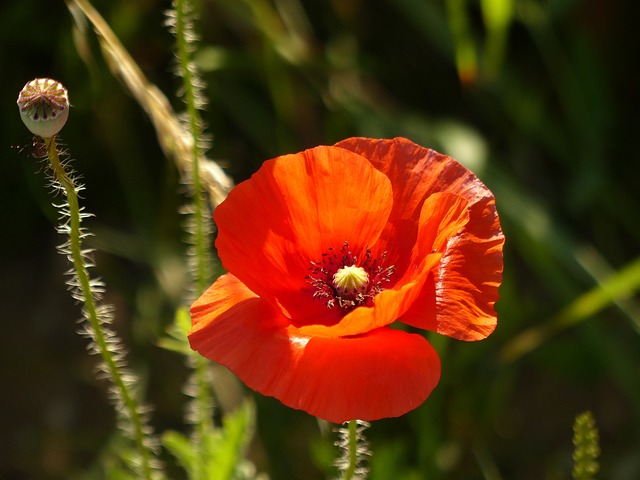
[[130, 404]]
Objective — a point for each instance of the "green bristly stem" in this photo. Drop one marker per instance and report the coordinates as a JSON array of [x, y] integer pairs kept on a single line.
[[201, 243], [84, 283], [202, 397], [353, 450]]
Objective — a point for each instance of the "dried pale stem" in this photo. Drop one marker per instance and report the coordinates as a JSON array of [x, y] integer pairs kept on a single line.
[[100, 337], [174, 140]]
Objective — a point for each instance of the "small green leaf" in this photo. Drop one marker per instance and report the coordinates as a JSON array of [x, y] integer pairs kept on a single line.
[[177, 332], [223, 450], [226, 452], [181, 448], [117, 473]]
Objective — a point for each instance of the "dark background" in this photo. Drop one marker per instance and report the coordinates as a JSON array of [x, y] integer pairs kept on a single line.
[[550, 124]]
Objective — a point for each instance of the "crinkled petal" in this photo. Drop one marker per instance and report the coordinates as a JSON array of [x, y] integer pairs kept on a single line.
[[384, 373], [464, 286], [442, 216], [459, 298], [295, 207]]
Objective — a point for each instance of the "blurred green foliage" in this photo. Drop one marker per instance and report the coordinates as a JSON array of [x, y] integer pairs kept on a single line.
[[538, 97]]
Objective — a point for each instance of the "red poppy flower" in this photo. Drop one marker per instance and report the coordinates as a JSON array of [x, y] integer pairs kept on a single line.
[[326, 249]]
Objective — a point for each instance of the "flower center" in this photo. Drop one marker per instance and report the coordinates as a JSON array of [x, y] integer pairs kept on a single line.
[[342, 279], [349, 281]]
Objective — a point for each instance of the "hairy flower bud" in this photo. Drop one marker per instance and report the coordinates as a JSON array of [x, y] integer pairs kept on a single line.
[[44, 106]]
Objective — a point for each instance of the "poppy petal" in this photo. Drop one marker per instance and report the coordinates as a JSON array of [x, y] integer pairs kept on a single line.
[[458, 300], [291, 211], [464, 287], [234, 327], [384, 373], [442, 216]]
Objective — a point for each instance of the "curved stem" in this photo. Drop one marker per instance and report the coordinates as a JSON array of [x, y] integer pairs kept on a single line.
[[84, 283]]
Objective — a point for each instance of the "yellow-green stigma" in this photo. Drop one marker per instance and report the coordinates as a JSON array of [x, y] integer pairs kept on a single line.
[[342, 279], [351, 281]]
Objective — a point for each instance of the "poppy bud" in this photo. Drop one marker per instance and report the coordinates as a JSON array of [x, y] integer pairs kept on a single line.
[[44, 106]]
